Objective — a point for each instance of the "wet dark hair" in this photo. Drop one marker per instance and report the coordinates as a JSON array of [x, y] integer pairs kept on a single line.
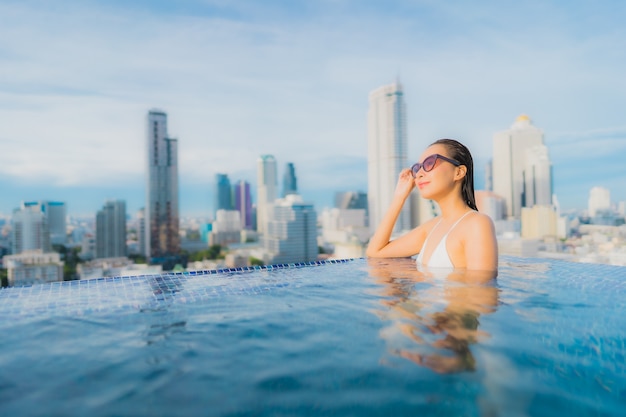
[[460, 152]]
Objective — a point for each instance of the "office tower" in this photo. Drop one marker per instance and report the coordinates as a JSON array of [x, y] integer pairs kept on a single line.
[[141, 230], [226, 228], [489, 176], [291, 234], [111, 230], [161, 211], [599, 200], [243, 203], [30, 229], [290, 183], [537, 177], [351, 200], [55, 214], [386, 152], [267, 182], [510, 163], [224, 197]]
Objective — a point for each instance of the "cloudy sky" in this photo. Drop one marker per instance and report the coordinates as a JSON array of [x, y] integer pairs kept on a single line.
[[243, 78]]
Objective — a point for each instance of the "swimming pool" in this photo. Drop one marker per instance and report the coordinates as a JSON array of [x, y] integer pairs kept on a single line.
[[342, 338]]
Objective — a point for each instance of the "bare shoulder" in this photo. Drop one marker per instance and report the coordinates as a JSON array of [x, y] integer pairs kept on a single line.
[[479, 223], [481, 219]]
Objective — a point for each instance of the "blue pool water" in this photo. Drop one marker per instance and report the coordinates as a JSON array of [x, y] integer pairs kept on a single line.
[[343, 338]]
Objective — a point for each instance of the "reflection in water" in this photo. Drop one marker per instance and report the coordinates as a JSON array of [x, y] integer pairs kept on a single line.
[[434, 315], [166, 320]]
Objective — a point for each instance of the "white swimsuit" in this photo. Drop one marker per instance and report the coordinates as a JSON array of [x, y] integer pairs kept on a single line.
[[439, 258]]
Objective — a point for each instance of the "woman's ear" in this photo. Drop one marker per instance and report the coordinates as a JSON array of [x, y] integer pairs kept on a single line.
[[461, 170]]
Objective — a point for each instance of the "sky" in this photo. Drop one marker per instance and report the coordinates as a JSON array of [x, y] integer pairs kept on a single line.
[[239, 79]]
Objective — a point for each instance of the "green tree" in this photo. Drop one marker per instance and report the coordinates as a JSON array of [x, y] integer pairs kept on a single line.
[[255, 261], [4, 277], [71, 259], [138, 258]]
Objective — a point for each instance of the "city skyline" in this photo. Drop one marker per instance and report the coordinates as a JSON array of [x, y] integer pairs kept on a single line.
[[241, 80]]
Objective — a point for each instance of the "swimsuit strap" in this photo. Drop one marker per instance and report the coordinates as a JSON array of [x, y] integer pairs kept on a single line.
[[455, 223]]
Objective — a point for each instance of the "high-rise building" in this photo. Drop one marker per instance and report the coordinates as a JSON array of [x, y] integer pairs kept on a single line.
[[57, 221], [30, 229], [226, 228], [291, 234], [141, 230], [111, 230], [267, 183], [350, 200], [387, 153], [224, 193], [55, 214], [599, 200], [290, 183], [161, 211], [513, 165], [537, 177], [243, 203]]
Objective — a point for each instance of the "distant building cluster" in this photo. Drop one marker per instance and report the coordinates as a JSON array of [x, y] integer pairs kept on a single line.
[[39, 241]]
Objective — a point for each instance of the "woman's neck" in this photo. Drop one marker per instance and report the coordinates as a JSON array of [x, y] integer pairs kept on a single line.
[[452, 208]]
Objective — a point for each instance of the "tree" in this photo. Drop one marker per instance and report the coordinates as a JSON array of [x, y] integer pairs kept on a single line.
[[255, 261], [4, 277]]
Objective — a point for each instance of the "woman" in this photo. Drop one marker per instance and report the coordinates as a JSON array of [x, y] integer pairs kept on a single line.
[[461, 237]]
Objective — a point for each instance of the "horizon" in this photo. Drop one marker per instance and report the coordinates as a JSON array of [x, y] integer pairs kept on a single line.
[[239, 80]]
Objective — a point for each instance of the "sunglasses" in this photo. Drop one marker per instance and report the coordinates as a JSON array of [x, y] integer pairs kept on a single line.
[[429, 163]]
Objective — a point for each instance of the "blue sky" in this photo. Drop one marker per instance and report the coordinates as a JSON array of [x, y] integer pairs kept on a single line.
[[243, 78]]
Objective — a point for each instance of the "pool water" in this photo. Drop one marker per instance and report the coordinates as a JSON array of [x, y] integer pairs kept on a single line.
[[338, 338]]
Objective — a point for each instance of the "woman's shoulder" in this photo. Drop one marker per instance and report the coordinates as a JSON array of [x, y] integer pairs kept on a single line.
[[479, 222]]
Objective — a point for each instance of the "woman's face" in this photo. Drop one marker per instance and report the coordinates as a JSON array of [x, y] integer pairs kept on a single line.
[[440, 178]]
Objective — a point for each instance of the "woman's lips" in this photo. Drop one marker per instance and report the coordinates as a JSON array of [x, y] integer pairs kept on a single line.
[[422, 184]]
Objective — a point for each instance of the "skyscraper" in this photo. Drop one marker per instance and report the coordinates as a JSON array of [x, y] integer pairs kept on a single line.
[[111, 230], [161, 211], [267, 182], [351, 200], [387, 152], [55, 214], [290, 183], [243, 203], [291, 234], [511, 164], [30, 229], [599, 200], [537, 177], [224, 200]]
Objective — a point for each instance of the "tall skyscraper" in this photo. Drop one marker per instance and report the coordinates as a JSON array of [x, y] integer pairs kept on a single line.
[[224, 193], [291, 234], [243, 203], [599, 200], [351, 200], [267, 183], [290, 183], [161, 211], [387, 152], [537, 177], [30, 229], [55, 214], [141, 230], [511, 163], [111, 230]]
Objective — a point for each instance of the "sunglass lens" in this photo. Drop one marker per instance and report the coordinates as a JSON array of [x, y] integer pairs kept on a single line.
[[415, 169], [429, 163]]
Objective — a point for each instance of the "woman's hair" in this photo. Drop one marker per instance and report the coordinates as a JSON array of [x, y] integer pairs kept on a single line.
[[460, 152]]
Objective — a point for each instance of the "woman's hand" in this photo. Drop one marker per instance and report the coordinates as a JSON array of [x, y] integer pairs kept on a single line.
[[405, 184]]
